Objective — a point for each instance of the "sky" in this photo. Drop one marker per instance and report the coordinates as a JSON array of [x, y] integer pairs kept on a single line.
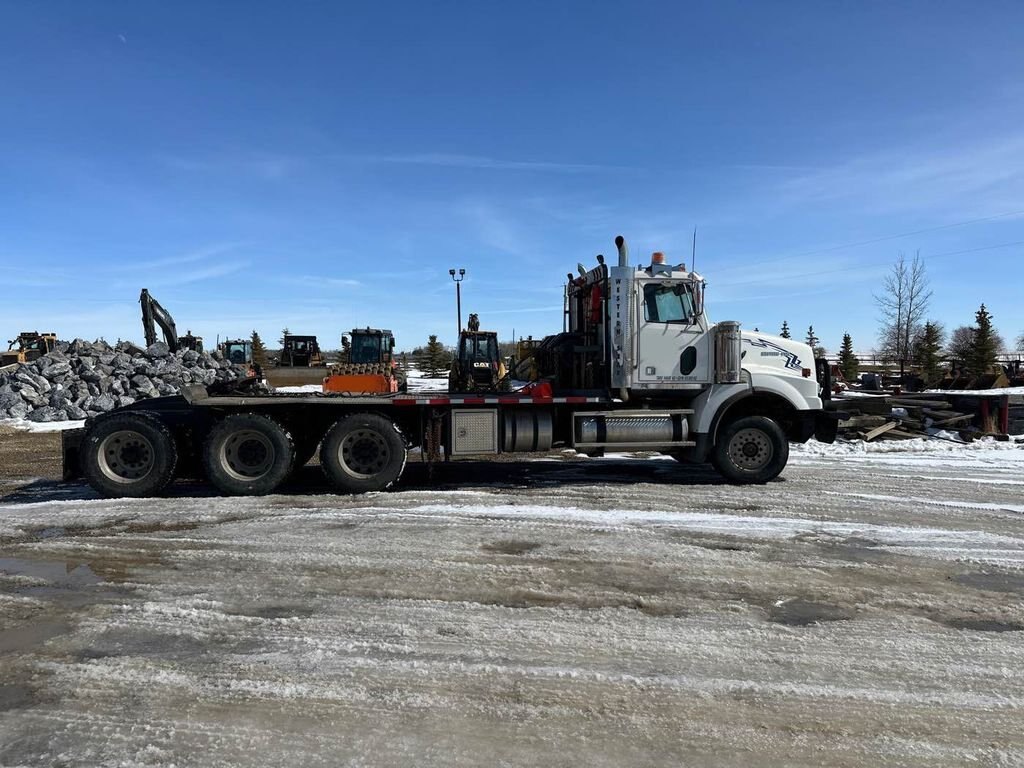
[[322, 165]]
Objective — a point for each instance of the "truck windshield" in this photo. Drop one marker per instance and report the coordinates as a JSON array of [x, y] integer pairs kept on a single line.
[[365, 349], [668, 303]]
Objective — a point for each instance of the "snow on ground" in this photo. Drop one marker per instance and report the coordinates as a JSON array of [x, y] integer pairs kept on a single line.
[[995, 391], [866, 609], [25, 425]]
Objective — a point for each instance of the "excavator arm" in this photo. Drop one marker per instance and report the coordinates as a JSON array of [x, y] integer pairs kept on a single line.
[[152, 315]]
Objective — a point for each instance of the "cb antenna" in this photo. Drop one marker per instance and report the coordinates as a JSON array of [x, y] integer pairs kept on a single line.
[[693, 252]]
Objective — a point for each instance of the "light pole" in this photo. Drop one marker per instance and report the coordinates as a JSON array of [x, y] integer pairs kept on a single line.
[[458, 294]]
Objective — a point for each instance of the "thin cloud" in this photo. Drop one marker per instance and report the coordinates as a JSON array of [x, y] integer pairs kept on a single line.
[[319, 280], [900, 180], [484, 163], [190, 257], [195, 276]]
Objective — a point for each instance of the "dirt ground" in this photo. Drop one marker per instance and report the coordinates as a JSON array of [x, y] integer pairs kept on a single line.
[[865, 609], [27, 455]]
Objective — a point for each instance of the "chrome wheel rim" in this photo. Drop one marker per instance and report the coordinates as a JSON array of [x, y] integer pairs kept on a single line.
[[247, 454], [750, 450], [126, 456], [364, 453]]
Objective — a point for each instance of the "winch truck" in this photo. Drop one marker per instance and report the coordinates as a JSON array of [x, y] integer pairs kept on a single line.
[[637, 367]]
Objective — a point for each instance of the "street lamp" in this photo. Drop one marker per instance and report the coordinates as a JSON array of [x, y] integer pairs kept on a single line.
[[458, 294]]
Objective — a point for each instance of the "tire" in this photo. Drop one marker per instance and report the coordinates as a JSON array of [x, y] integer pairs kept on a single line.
[[363, 452], [752, 449], [129, 454], [247, 454]]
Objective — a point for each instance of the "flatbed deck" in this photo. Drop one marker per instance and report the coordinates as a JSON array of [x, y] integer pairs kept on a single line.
[[197, 395]]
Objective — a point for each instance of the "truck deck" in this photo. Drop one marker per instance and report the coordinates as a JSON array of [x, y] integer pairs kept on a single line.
[[199, 396]]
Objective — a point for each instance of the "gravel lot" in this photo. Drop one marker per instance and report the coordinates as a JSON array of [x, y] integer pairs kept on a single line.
[[866, 609]]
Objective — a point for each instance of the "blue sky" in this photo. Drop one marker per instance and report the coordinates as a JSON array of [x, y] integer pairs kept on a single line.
[[323, 165]]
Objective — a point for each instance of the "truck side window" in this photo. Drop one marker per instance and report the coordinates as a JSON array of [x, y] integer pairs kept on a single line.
[[667, 303]]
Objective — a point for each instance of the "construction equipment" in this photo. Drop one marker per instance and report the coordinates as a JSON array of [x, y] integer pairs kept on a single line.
[[524, 366], [477, 366], [31, 345], [300, 352], [239, 352], [153, 314], [300, 364], [638, 367], [367, 364]]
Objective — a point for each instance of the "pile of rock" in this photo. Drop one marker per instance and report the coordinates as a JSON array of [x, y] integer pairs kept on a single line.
[[80, 378]]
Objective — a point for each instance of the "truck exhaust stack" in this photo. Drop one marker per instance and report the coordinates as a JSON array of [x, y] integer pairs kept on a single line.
[[620, 243]]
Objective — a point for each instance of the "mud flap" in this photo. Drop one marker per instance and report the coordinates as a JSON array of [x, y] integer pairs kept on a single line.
[[826, 427], [71, 452], [824, 372]]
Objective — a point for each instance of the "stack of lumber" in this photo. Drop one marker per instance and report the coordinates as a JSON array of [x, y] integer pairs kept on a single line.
[[904, 417]]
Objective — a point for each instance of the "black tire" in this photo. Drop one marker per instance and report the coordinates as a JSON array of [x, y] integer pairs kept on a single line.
[[363, 452], [751, 449], [129, 454], [247, 454]]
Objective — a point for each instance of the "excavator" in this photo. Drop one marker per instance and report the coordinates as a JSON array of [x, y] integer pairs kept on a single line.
[[153, 315], [31, 345], [367, 364]]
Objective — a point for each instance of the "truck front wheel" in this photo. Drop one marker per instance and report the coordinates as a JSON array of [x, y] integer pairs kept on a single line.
[[247, 454], [751, 449], [129, 454], [363, 452]]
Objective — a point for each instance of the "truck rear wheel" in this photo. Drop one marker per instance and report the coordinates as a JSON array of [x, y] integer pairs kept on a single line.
[[752, 449], [248, 454], [129, 454], [363, 452]]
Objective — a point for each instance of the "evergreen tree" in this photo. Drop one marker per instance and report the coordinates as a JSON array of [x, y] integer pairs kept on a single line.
[[848, 362], [436, 359], [259, 352], [284, 333], [928, 351], [985, 347], [812, 340], [784, 333]]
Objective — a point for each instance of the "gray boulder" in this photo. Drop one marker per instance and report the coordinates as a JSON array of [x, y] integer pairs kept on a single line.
[[104, 403], [46, 413], [158, 350]]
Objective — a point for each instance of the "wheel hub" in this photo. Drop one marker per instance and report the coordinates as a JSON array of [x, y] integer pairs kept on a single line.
[[125, 456], [364, 453], [247, 454], [750, 449]]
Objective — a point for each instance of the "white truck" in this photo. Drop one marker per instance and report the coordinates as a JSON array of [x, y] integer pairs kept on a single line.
[[638, 366]]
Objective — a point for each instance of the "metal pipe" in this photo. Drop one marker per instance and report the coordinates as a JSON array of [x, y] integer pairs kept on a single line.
[[620, 243]]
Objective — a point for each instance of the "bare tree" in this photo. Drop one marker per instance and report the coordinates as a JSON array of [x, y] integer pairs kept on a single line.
[[903, 304], [1020, 343]]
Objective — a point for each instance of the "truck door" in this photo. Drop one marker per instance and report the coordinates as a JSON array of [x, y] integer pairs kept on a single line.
[[672, 345]]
